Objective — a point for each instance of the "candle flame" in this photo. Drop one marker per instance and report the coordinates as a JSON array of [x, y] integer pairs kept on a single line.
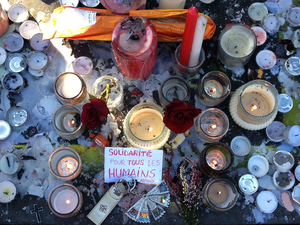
[[213, 90], [69, 166], [68, 201], [150, 129], [213, 163], [254, 107], [73, 122], [219, 192], [213, 126]]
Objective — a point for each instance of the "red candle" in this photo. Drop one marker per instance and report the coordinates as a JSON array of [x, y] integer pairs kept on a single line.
[[188, 36]]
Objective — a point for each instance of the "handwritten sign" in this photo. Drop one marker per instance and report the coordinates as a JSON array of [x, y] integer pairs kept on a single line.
[[143, 164]]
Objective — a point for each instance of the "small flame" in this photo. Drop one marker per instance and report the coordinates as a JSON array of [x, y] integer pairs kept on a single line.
[[150, 129], [73, 122], [213, 163], [213, 126], [68, 201], [254, 107]]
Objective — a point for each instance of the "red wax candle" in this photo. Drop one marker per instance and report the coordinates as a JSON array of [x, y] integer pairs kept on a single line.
[[188, 36]]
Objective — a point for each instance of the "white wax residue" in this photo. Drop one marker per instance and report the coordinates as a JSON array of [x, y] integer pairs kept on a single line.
[[65, 201], [266, 201]]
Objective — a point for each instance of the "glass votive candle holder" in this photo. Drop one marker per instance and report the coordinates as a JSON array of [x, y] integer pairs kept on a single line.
[[237, 43], [83, 65], [283, 160], [28, 28], [275, 131], [18, 13], [13, 82], [216, 159], [174, 88], [211, 125], [144, 126], [258, 165], [5, 130], [65, 164], [38, 44], [254, 105], [122, 7], [293, 16], [240, 145], [213, 88], [13, 42], [65, 200], [283, 180], [134, 42], [70, 88], [257, 11], [16, 116], [3, 55], [67, 122], [115, 90], [37, 60], [248, 184], [266, 59], [8, 191], [171, 4], [16, 63], [291, 135], [292, 66], [270, 23], [10, 163], [261, 35], [266, 202], [220, 195]]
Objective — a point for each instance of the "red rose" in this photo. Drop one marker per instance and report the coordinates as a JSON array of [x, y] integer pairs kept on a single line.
[[94, 113], [179, 116]]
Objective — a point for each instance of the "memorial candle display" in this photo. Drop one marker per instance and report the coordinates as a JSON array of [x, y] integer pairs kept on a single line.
[[10, 163], [8, 191], [237, 43], [16, 63], [122, 6], [38, 44], [291, 135], [266, 202], [266, 59], [283, 160], [18, 13], [171, 4], [134, 42], [37, 60], [275, 131], [293, 16], [65, 200], [83, 65], [261, 35], [3, 55], [65, 163], [13, 42], [240, 145], [4, 130], [144, 127], [4, 22], [13, 82], [16, 116], [258, 165], [28, 29], [257, 11], [270, 23]]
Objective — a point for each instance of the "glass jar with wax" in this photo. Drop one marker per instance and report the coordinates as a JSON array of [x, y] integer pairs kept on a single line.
[[67, 123], [213, 88], [134, 42], [144, 126], [122, 6], [70, 88], [237, 43], [254, 105], [65, 163], [216, 159]]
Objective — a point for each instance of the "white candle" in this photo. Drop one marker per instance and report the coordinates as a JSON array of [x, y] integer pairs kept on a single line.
[[18, 13], [28, 29], [213, 88], [197, 41], [285, 103], [291, 135], [8, 191], [4, 129], [16, 116], [36, 73], [171, 4], [10, 163], [292, 66], [297, 173], [275, 131], [37, 60], [295, 38], [266, 201], [3, 55], [67, 166], [261, 35], [283, 160], [296, 194], [70, 87], [90, 3], [83, 65], [293, 16], [13, 82], [65, 201], [13, 42], [240, 145], [258, 165], [73, 3], [266, 59], [37, 42], [257, 11], [207, 1], [216, 159], [271, 23]]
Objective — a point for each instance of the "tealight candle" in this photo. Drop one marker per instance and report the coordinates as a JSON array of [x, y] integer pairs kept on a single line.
[[171, 4], [266, 202], [275, 131], [207, 1], [18, 13], [134, 42], [122, 7], [296, 194], [283, 180], [240, 145], [174, 88], [10, 163], [261, 35], [291, 135], [38, 44], [16, 116], [293, 16], [36, 73], [295, 38], [285, 103], [283, 160], [266, 59], [258, 165], [13, 42], [218, 193], [248, 184], [90, 3], [8, 191], [28, 29], [270, 23], [83, 65], [4, 22], [65, 163], [16, 63], [237, 44], [292, 66], [73, 3], [37, 60], [13, 82], [211, 125], [3, 55], [4, 129], [65, 200], [257, 11]]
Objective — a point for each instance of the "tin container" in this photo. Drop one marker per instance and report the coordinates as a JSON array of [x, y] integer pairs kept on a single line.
[[16, 63], [275, 131], [248, 184], [292, 66], [13, 42]]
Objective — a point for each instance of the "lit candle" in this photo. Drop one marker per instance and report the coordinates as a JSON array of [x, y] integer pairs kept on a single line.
[[16, 63], [257, 11], [218, 193], [171, 4], [13, 82], [293, 16], [67, 166], [8, 191], [38, 44], [261, 35], [240, 145], [266, 201], [292, 66], [18, 13], [10, 163], [122, 6], [291, 135], [3, 55], [37, 60], [216, 160], [70, 87], [4, 129], [283, 180], [258, 165], [71, 121], [270, 23], [266, 59], [213, 88], [13, 42], [283, 160], [83, 65], [275, 131], [28, 29], [16, 116]]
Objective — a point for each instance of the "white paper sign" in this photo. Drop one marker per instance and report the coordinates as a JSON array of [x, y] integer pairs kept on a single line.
[[143, 164]]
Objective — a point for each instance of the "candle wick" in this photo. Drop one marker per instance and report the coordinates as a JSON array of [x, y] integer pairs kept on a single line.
[[8, 163], [296, 135], [269, 200], [219, 192], [5, 192]]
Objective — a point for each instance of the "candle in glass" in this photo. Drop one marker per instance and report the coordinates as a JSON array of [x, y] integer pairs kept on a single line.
[[65, 200], [171, 4], [16, 63], [257, 11], [291, 135], [8, 191], [275, 131], [13, 82], [293, 16], [38, 44], [18, 13], [134, 42], [3, 55], [13, 42], [37, 60], [258, 165], [237, 44], [28, 29], [283, 180], [266, 202], [270, 23], [283, 160], [216, 160], [240, 145], [83, 65], [10, 163], [16, 116], [261, 35], [122, 6], [266, 59], [4, 22], [4, 130]]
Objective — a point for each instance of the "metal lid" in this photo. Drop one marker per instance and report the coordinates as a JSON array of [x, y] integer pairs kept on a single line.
[[248, 184], [285, 103], [292, 66], [4, 129], [16, 63]]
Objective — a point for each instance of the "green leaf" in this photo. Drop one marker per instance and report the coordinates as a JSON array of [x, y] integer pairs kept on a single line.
[[281, 35], [91, 96]]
